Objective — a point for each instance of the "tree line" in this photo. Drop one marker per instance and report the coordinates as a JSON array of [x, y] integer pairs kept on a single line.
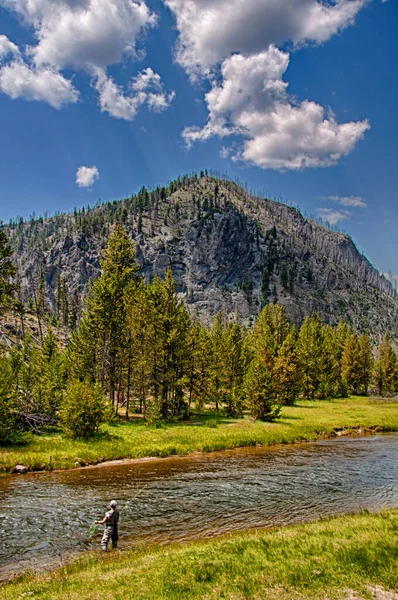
[[137, 349]]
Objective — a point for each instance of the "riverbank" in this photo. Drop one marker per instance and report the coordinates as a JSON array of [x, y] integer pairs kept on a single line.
[[349, 557], [307, 421]]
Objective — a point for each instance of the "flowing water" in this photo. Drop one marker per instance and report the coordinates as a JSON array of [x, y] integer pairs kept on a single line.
[[47, 516]]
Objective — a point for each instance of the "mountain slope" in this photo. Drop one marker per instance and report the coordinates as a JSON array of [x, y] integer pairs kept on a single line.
[[228, 250]]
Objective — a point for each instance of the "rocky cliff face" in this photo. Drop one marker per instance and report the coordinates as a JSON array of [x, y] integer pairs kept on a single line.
[[228, 250]]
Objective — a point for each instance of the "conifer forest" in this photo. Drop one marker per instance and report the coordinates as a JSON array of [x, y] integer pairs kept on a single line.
[[136, 350]]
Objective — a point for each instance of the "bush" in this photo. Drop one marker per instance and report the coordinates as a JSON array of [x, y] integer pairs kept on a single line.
[[83, 409], [260, 392]]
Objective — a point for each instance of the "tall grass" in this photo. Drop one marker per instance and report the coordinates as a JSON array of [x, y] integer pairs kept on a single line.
[[334, 558], [306, 421]]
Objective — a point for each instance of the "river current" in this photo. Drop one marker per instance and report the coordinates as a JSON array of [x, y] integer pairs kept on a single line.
[[46, 516]]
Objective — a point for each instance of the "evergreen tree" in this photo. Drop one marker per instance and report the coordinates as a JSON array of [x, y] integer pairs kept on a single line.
[[217, 373], [9, 430], [83, 409], [98, 348], [260, 392], [142, 349], [7, 271], [286, 370], [234, 367], [284, 275], [366, 361], [265, 291], [351, 370], [334, 341], [310, 353], [171, 324], [199, 381], [269, 331], [387, 368]]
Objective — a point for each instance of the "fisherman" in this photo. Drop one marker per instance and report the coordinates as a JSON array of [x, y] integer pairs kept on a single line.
[[110, 521]]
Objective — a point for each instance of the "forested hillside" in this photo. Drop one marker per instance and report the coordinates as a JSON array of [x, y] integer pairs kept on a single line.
[[136, 348], [228, 251]]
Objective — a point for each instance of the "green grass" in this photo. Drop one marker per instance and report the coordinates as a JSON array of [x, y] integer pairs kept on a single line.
[[307, 420], [329, 559]]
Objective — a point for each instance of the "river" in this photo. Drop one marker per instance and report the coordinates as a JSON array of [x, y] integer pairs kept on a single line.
[[46, 516]]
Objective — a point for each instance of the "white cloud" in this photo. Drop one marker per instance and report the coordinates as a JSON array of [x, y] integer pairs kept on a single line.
[[146, 88], [7, 47], [211, 30], [88, 35], [333, 216], [18, 80], [279, 133], [354, 201], [83, 33], [86, 176]]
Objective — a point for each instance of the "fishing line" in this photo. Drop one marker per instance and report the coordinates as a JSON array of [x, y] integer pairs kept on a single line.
[[93, 526]]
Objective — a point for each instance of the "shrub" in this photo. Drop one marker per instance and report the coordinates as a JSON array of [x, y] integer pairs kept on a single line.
[[83, 409], [260, 392]]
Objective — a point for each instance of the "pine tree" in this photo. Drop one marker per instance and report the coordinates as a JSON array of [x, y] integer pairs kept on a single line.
[[366, 361], [199, 381], [171, 324], [9, 426], [387, 368], [74, 310], [7, 271], [142, 349], [269, 331], [49, 378], [265, 291], [65, 304], [310, 352], [260, 392], [334, 341], [217, 373], [351, 370], [234, 367], [284, 275], [286, 370], [98, 347]]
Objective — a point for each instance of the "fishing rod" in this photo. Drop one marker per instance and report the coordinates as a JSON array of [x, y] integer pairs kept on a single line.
[[93, 526]]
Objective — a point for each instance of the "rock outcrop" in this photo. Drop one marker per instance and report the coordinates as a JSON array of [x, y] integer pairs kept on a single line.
[[228, 250]]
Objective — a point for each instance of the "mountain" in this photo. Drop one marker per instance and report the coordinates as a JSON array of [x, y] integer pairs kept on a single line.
[[229, 250]]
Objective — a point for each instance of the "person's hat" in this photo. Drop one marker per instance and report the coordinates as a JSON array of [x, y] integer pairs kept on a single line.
[[112, 503]]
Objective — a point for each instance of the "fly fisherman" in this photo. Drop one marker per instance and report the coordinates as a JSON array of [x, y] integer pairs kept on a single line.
[[110, 521]]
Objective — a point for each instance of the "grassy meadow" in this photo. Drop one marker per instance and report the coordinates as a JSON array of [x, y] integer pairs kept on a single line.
[[347, 557], [308, 420]]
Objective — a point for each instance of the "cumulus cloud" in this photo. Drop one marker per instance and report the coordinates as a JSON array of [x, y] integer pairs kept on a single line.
[[7, 47], [144, 89], [354, 201], [211, 30], [279, 133], [333, 216], [18, 80], [83, 33], [86, 176], [248, 96]]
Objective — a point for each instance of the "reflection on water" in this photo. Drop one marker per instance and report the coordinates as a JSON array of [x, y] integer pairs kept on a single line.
[[45, 515]]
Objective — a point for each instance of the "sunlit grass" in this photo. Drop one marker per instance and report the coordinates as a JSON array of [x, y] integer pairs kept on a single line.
[[334, 558], [306, 421]]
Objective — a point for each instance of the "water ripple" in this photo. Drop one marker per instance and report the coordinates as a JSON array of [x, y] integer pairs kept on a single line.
[[49, 514]]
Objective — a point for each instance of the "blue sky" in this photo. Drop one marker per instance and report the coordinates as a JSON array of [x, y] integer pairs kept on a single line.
[[297, 98]]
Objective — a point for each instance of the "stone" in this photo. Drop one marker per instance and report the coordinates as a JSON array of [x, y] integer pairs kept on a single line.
[[20, 469]]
